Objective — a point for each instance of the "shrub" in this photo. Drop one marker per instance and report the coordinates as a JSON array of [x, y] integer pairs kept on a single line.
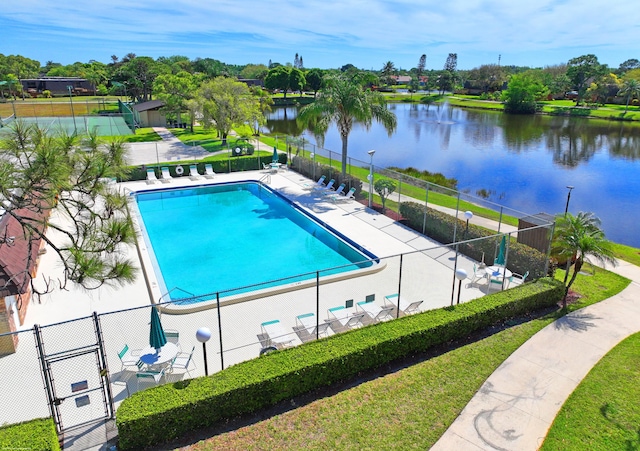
[[37, 435], [305, 166], [169, 411], [440, 226]]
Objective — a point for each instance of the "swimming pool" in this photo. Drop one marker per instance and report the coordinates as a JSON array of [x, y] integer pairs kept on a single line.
[[237, 237]]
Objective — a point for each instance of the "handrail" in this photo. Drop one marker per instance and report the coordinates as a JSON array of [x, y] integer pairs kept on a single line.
[[266, 178]]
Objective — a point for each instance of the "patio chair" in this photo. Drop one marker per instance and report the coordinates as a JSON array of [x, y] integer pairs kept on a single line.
[[166, 176], [149, 376], [173, 336], [183, 360], [495, 283], [341, 319], [151, 176], [319, 183], [208, 171], [406, 307], [329, 185], [520, 277], [338, 192], [307, 328], [347, 197], [129, 358], [478, 274], [193, 172], [375, 312], [278, 335]]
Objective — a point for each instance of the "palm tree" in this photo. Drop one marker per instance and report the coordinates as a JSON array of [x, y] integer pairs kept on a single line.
[[630, 88], [387, 72], [345, 103], [580, 238]]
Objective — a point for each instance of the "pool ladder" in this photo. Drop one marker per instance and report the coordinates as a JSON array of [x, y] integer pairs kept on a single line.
[[266, 179]]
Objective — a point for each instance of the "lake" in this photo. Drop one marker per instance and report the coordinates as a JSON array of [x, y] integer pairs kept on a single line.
[[525, 162]]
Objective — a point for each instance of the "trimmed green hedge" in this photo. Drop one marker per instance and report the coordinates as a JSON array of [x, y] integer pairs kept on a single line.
[[439, 226], [234, 164], [170, 411], [36, 435]]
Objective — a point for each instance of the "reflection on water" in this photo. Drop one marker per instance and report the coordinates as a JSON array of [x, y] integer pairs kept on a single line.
[[527, 161]]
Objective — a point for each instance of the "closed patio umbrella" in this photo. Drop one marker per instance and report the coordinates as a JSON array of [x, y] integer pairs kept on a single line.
[[275, 155], [501, 252], [157, 339]]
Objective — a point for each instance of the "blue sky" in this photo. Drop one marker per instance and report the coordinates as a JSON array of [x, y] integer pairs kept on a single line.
[[327, 34]]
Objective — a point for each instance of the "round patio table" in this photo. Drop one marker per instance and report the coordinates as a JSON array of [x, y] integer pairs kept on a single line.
[[163, 355]]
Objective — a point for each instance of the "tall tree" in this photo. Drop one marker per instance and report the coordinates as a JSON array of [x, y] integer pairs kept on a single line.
[[628, 65], [175, 90], [580, 238], [581, 71], [630, 89], [344, 103], [92, 224], [387, 73], [314, 80], [422, 63], [278, 78], [225, 102], [522, 93], [296, 80], [296, 61]]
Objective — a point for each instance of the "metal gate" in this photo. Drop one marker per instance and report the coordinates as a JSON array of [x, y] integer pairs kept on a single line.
[[77, 379]]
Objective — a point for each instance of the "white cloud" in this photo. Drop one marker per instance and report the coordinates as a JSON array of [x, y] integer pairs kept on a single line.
[[370, 32]]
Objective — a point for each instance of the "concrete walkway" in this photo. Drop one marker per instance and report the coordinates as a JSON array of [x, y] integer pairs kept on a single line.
[[515, 407], [169, 149]]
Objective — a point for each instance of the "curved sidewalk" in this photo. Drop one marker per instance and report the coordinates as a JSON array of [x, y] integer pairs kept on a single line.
[[516, 405]]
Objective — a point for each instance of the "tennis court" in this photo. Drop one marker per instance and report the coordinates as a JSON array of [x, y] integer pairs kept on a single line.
[[82, 125]]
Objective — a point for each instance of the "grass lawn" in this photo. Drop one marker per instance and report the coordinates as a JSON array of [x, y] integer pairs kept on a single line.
[[602, 413], [627, 253], [408, 407]]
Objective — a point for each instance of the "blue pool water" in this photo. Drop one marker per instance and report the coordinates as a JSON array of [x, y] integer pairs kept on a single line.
[[227, 237]]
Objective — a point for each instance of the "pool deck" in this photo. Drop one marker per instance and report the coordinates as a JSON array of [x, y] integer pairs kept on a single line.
[[241, 322]]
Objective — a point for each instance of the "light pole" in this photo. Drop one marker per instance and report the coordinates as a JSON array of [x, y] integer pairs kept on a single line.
[[468, 215], [202, 335], [75, 128], [313, 158], [461, 274], [371, 153], [566, 208]]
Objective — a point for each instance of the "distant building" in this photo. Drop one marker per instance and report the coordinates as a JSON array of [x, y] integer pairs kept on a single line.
[[57, 86], [150, 114], [252, 82], [402, 79]]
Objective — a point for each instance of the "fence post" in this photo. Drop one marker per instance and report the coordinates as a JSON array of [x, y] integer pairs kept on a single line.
[[46, 377], [426, 206], [220, 331], [399, 287], [317, 304], [104, 367]]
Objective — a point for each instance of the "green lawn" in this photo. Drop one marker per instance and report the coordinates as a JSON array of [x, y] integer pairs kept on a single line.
[[602, 413], [409, 408]]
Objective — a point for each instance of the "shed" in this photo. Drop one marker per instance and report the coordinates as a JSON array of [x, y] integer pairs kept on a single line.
[[540, 237], [150, 114]]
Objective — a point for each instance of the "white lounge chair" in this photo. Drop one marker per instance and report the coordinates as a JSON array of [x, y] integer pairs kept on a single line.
[[193, 172], [406, 307], [166, 176], [341, 318], [307, 322], [375, 312], [277, 335], [319, 183], [329, 185], [208, 171], [347, 197], [338, 192], [151, 176]]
